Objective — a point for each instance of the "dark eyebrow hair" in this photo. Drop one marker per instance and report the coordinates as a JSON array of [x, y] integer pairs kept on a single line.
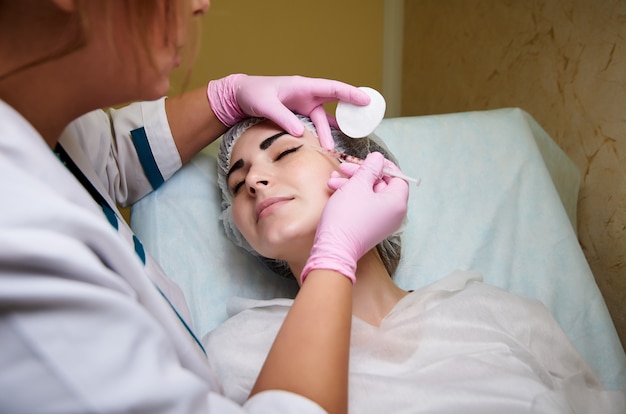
[[269, 141], [265, 144]]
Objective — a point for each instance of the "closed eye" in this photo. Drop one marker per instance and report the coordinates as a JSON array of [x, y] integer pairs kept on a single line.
[[289, 151], [236, 187]]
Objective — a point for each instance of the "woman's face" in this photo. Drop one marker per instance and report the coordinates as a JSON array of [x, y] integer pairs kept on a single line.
[[279, 187], [142, 67]]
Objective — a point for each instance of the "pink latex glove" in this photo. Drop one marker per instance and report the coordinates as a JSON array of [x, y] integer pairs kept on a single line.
[[364, 210], [239, 96]]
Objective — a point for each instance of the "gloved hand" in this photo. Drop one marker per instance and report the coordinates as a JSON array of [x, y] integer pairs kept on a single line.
[[239, 96], [364, 210]]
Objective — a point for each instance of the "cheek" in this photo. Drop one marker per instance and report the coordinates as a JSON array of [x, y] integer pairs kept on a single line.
[[310, 170], [314, 194], [242, 219], [314, 184]]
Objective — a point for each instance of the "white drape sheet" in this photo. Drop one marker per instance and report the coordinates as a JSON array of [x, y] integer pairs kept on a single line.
[[455, 346]]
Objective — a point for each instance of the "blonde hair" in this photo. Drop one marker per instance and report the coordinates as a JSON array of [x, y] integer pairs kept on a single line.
[[142, 16]]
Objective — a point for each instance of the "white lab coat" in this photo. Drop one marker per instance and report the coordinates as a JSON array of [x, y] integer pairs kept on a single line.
[[83, 326]]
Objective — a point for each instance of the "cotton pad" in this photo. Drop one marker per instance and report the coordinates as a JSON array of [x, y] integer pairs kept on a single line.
[[360, 121]]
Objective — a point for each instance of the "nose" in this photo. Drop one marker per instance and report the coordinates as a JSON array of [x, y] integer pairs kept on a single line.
[[261, 175], [255, 185], [200, 7]]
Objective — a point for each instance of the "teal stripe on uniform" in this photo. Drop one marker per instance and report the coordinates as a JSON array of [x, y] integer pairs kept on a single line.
[[110, 215], [180, 318], [139, 249], [146, 158]]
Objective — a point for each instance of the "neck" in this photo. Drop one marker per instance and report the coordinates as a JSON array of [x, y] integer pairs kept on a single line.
[[39, 75], [374, 294], [43, 102]]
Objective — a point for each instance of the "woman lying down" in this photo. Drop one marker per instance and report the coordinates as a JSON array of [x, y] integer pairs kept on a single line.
[[457, 345]]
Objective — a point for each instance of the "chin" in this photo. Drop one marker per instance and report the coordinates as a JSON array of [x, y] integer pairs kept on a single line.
[[284, 246], [158, 93], [151, 91]]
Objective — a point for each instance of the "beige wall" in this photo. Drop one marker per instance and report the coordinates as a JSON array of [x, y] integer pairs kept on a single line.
[[563, 61], [331, 39]]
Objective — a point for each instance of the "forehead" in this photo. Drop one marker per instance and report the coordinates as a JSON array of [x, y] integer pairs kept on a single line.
[[256, 134]]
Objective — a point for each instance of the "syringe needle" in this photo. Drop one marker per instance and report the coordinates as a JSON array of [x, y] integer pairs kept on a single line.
[[342, 156]]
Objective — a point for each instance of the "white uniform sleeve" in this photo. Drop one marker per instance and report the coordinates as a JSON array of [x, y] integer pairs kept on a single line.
[[82, 326], [77, 336], [131, 149]]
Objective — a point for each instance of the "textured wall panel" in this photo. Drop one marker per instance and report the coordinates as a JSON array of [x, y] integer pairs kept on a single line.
[[563, 61]]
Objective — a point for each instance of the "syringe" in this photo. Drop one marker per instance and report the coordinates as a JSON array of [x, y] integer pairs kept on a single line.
[[342, 156]]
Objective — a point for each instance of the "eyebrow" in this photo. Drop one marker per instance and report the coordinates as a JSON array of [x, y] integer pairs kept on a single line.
[[265, 144], [269, 141]]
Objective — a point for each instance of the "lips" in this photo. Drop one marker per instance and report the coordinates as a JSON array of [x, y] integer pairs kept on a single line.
[[268, 205]]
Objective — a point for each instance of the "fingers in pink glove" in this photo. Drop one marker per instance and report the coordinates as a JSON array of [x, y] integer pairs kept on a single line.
[[321, 91], [362, 212], [386, 183], [348, 169], [394, 188], [320, 120], [285, 119], [336, 180], [371, 170], [393, 167], [275, 97], [337, 91]]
